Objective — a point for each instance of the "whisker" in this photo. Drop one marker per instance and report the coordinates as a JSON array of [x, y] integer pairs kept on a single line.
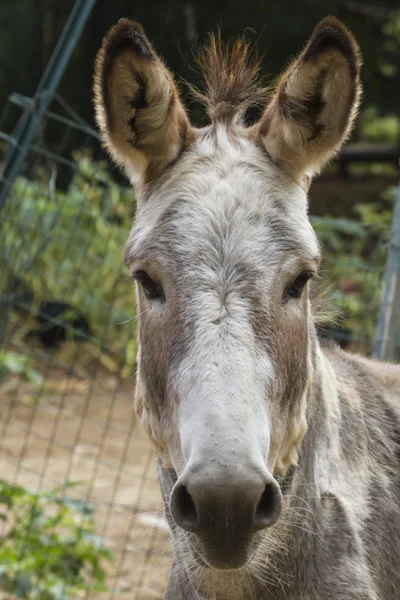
[[134, 318]]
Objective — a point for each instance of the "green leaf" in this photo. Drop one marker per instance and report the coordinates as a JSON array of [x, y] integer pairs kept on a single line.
[[52, 551]]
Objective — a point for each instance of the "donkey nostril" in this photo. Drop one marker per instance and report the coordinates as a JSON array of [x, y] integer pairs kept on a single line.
[[185, 504], [268, 507], [183, 509]]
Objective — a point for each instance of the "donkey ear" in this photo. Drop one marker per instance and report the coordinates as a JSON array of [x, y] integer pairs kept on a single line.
[[142, 121], [315, 103]]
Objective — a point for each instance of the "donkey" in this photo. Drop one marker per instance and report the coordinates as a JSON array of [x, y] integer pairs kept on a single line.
[[278, 454]]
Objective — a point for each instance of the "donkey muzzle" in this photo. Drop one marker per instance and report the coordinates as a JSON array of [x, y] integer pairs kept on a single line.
[[224, 507]]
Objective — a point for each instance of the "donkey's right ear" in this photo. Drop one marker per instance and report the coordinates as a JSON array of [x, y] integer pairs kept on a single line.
[[142, 121]]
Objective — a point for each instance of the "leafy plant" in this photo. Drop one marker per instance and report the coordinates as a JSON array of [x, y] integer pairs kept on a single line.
[[48, 549], [375, 128], [354, 253], [18, 364], [68, 245]]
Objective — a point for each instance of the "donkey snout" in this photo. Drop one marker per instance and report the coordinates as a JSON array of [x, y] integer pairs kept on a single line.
[[225, 505]]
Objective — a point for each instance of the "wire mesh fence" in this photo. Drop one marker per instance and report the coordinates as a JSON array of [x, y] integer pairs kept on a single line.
[[68, 336], [68, 350]]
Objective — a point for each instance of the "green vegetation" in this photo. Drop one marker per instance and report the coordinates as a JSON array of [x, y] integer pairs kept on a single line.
[[48, 546], [68, 246], [354, 253], [20, 365], [379, 129]]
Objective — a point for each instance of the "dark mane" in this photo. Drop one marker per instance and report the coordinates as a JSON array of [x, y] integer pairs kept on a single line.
[[231, 78]]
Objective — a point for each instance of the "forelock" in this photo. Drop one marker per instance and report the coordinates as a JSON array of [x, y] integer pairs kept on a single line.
[[221, 174], [231, 78]]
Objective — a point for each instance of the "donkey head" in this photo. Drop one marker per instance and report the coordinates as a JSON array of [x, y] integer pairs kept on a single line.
[[222, 251]]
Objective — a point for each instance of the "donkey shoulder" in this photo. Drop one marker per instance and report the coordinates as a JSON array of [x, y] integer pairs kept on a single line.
[[366, 413], [373, 378], [386, 375], [365, 375]]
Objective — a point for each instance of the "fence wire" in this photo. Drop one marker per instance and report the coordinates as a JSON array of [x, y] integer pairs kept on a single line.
[[68, 346], [68, 331]]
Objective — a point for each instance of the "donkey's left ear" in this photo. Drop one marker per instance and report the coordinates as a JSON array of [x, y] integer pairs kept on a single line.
[[315, 103], [142, 121]]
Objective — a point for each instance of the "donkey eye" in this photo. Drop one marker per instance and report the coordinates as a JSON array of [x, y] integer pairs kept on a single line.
[[152, 290], [295, 289]]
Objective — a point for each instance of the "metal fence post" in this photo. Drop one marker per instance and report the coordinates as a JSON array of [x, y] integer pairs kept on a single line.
[[389, 313], [29, 122]]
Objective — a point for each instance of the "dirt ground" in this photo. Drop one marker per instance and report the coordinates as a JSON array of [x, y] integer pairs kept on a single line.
[[71, 429]]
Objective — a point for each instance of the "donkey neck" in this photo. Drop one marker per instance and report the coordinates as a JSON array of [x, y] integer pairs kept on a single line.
[[333, 400], [331, 454]]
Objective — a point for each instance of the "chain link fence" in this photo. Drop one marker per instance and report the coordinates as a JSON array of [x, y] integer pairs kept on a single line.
[[68, 352]]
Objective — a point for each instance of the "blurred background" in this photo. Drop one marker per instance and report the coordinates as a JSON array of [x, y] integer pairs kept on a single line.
[[80, 510]]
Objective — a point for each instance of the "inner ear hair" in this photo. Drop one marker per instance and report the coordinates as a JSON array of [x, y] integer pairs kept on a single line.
[[315, 102], [142, 120]]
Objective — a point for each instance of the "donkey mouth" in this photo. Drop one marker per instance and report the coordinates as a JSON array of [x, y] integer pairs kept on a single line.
[[230, 553]]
